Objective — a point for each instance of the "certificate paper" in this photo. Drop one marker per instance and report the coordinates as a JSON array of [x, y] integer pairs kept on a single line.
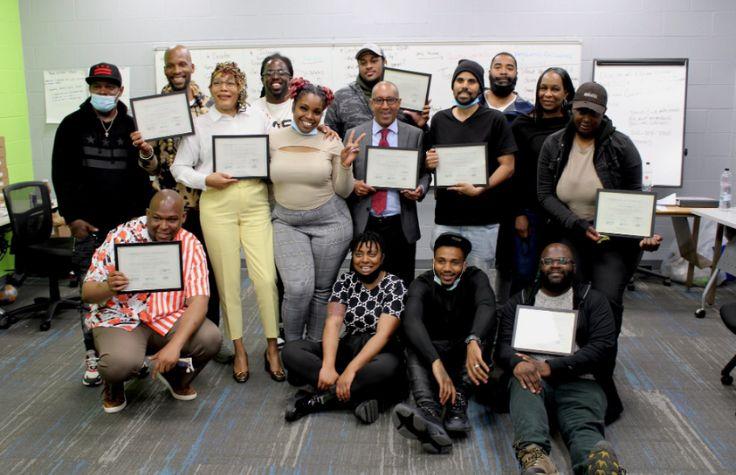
[[392, 168], [150, 266], [240, 156], [162, 116], [461, 164], [413, 87], [625, 213], [543, 330]]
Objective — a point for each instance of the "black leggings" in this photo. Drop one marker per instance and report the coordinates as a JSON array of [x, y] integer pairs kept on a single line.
[[424, 387], [376, 380]]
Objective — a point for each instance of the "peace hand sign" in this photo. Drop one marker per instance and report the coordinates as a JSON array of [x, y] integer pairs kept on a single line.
[[352, 147]]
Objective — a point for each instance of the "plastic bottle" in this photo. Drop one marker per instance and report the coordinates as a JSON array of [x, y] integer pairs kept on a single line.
[[724, 199], [647, 179]]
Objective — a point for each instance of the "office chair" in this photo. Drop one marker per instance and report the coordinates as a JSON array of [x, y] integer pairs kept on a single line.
[[36, 252], [728, 315]]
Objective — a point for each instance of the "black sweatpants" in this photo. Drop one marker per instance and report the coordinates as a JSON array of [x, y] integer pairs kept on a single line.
[[379, 379]]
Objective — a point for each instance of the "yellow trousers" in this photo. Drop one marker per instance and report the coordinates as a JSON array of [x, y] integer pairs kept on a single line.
[[239, 216]]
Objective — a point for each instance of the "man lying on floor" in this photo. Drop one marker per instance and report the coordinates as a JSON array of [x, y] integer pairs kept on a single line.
[[171, 324], [548, 387]]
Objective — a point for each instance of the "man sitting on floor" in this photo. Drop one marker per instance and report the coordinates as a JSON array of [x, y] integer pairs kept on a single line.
[[449, 315], [171, 323], [560, 385]]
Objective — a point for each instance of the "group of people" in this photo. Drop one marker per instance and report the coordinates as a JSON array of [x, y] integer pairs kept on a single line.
[[363, 338]]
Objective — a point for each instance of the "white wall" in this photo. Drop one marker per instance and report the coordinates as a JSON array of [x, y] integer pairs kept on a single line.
[[77, 33]]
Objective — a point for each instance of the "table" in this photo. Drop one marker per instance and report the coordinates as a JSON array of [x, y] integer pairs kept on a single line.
[[724, 218], [687, 239]]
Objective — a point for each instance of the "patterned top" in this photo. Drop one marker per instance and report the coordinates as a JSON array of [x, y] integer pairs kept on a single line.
[[364, 306], [158, 310], [165, 152]]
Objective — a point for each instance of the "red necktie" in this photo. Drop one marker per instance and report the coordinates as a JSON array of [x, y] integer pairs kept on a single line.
[[378, 201]]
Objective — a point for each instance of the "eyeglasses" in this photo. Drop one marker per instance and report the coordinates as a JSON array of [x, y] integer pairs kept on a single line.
[[392, 101], [548, 261], [275, 73], [223, 84]]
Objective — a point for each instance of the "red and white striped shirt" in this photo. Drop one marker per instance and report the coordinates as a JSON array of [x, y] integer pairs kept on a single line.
[[158, 310]]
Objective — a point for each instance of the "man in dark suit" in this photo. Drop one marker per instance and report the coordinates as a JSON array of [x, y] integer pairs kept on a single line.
[[392, 214]]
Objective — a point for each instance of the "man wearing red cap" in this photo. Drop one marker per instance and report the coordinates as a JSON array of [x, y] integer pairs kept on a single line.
[[96, 177]]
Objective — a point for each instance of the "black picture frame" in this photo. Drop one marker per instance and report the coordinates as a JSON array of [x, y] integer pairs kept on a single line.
[[544, 352], [485, 158], [417, 166], [152, 244], [246, 136], [413, 73], [651, 194], [185, 100]]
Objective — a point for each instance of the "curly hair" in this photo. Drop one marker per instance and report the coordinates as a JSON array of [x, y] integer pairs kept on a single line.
[[300, 86], [231, 68]]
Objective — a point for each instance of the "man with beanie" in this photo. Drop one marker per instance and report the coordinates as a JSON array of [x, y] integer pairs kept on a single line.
[[96, 177], [449, 316], [501, 95], [351, 106], [473, 211]]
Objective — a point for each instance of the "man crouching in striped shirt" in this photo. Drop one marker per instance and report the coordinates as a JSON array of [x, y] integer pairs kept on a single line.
[[169, 324]]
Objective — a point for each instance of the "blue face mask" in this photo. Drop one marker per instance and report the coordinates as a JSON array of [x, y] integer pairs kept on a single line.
[[298, 131], [454, 285], [469, 104], [103, 104]]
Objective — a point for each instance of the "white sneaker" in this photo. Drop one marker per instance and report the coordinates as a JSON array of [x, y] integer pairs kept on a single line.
[[91, 375]]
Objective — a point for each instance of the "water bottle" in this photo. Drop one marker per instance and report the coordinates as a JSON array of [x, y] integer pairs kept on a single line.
[[646, 180], [724, 201]]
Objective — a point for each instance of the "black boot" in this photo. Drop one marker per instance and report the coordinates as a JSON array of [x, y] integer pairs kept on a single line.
[[422, 423], [456, 418], [301, 406]]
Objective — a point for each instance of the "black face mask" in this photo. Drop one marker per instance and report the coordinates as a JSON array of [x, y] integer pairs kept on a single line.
[[559, 287], [503, 90], [367, 279]]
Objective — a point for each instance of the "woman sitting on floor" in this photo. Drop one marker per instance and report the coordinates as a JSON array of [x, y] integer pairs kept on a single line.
[[366, 362]]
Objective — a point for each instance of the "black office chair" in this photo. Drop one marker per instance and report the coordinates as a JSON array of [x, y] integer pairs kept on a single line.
[[36, 252], [728, 315]]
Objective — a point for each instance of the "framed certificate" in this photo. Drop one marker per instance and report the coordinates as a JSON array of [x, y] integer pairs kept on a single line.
[[413, 87], [150, 266], [392, 168], [544, 330], [463, 163], [625, 213], [241, 156], [162, 115]]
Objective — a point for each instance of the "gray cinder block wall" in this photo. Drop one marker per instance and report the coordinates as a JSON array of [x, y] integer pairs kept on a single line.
[[61, 34]]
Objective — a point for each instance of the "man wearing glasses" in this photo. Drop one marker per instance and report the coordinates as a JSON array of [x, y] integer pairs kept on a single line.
[[562, 388], [275, 103], [390, 213], [351, 106]]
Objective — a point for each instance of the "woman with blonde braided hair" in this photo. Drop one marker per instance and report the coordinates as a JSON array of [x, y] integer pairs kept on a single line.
[[234, 214], [311, 177]]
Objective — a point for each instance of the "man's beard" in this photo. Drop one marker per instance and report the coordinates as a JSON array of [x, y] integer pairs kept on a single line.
[[503, 90], [472, 98], [557, 287]]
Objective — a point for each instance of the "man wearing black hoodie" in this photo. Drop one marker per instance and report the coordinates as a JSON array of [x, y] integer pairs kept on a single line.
[[560, 385], [96, 177]]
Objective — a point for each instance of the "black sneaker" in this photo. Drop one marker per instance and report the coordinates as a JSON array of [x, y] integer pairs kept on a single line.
[[367, 411], [424, 425], [301, 406], [602, 460], [456, 417]]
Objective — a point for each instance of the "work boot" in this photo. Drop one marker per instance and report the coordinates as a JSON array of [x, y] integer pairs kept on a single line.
[[422, 423], [602, 460], [456, 418], [301, 406], [534, 460]]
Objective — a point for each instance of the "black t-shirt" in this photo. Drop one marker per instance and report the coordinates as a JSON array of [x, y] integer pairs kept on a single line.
[[530, 134], [485, 125]]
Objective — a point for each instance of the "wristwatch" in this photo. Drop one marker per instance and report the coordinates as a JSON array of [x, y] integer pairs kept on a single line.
[[472, 338]]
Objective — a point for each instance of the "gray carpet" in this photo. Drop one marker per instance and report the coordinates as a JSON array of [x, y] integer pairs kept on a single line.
[[678, 417]]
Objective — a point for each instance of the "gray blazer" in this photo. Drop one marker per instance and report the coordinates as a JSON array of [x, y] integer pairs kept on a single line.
[[408, 137]]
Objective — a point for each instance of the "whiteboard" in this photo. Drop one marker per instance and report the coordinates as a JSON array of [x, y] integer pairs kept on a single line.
[[646, 101], [334, 65], [65, 89]]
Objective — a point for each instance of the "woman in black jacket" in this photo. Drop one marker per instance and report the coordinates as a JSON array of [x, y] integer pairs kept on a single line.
[[551, 113], [589, 154]]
